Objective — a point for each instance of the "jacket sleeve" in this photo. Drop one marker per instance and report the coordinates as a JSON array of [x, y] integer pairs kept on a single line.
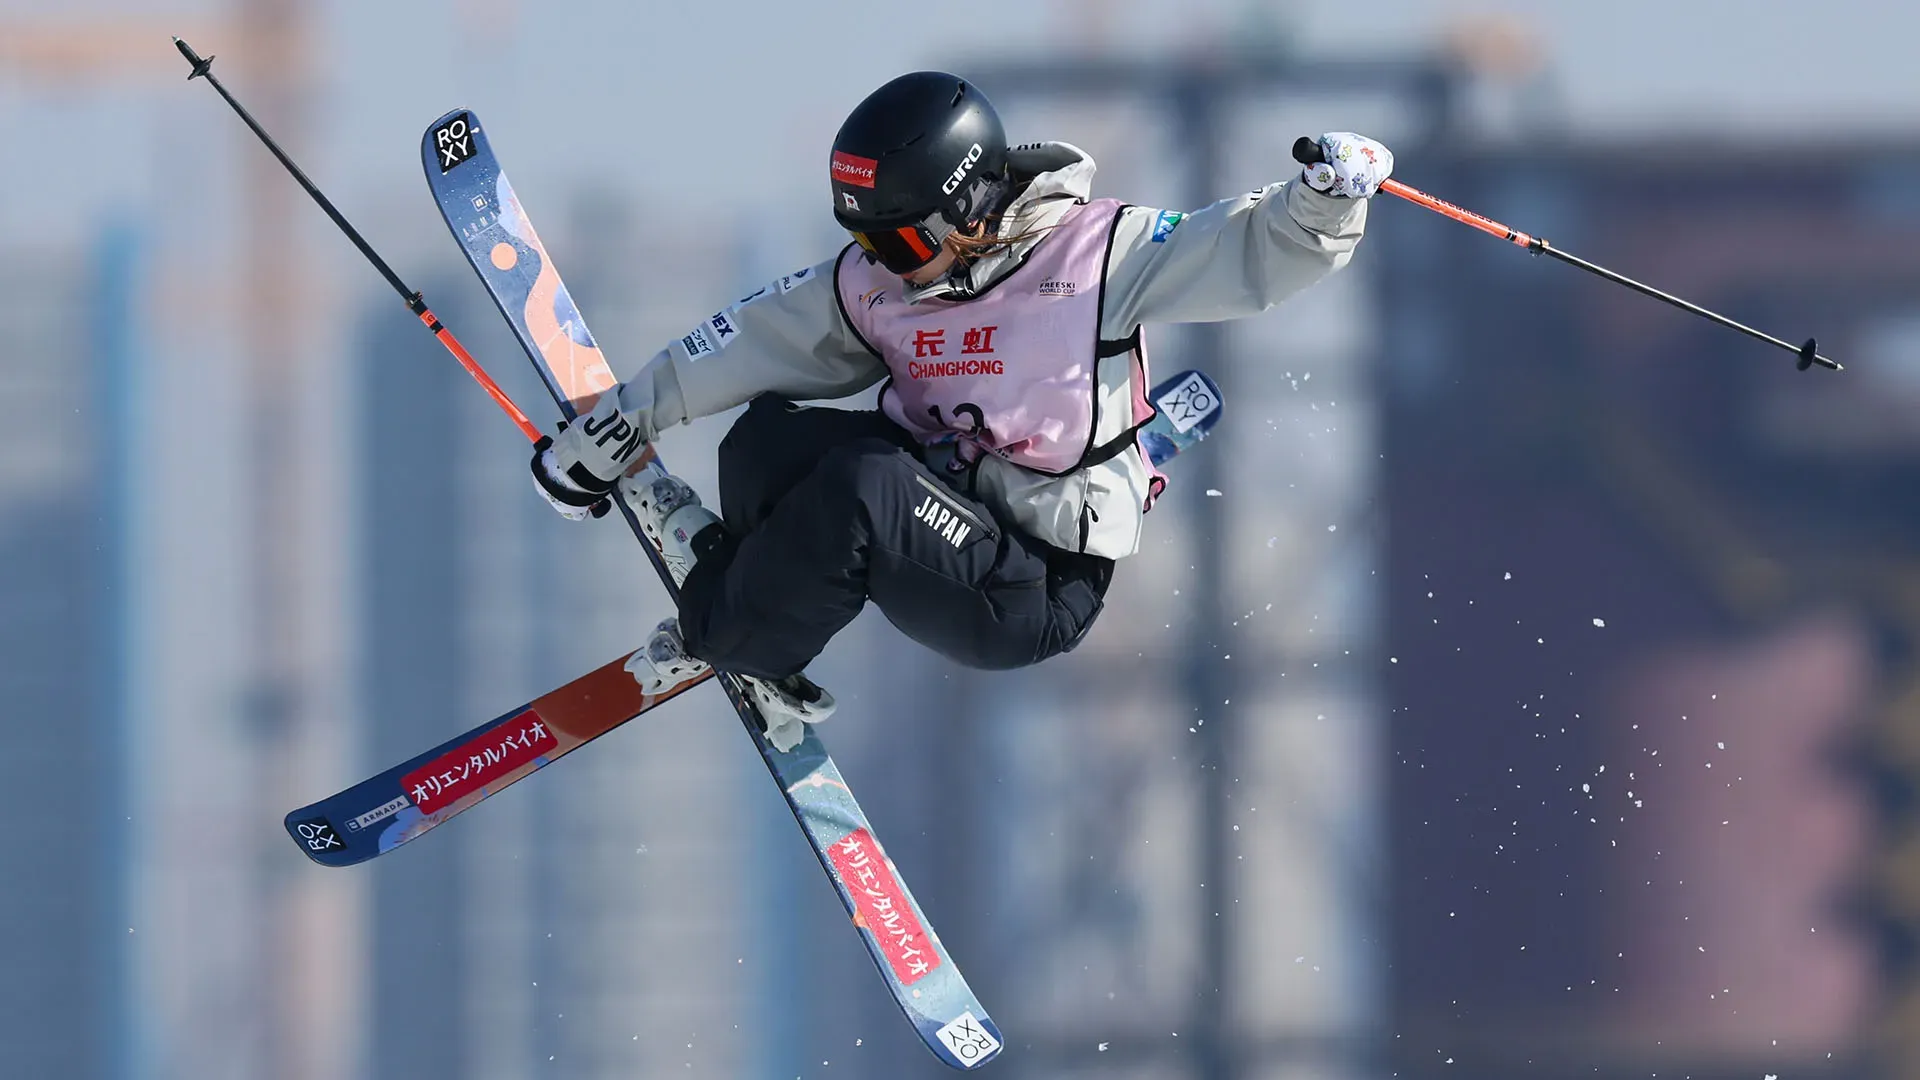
[[789, 338], [1238, 257]]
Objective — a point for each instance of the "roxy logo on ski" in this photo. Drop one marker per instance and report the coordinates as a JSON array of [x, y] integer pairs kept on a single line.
[[1188, 404], [454, 141], [318, 835], [969, 1039], [952, 527]]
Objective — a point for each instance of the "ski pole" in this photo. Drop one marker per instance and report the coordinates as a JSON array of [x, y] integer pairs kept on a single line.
[[1307, 151], [204, 69]]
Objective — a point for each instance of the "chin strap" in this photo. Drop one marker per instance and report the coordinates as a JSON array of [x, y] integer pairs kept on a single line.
[[957, 285]]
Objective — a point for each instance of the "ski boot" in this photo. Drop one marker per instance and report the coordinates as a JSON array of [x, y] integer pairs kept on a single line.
[[662, 663], [670, 515], [785, 705]]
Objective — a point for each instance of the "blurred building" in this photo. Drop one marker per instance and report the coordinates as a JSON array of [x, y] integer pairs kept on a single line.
[[1648, 589], [64, 913]]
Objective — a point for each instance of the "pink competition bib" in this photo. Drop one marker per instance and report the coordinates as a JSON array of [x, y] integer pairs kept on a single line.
[[1013, 371]]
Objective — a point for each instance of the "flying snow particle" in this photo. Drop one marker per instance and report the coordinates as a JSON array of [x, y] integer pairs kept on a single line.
[[1213, 493], [1599, 622]]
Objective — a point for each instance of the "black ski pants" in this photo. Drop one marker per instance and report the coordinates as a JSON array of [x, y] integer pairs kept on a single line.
[[826, 508]]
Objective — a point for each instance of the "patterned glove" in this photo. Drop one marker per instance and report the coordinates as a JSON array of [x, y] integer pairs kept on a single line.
[[1354, 166]]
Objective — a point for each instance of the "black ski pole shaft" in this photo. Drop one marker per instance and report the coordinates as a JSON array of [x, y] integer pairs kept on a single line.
[[1806, 351], [203, 68], [1307, 151]]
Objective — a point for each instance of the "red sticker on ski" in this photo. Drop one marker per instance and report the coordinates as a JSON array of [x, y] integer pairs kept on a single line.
[[880, 907], [466, 769]]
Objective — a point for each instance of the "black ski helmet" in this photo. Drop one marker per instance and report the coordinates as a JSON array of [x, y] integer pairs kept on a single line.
[[920, 157]]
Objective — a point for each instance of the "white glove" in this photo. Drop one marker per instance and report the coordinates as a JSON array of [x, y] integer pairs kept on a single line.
[[543, 461], [577, 466], [1354, 166]]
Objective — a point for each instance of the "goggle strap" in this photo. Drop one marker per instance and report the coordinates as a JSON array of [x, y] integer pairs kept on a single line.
[[911, 235]]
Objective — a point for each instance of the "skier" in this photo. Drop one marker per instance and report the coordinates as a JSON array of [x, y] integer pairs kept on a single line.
[[982, 506]]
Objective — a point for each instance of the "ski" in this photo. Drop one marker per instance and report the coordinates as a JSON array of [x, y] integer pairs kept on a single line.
[[1185, 409], [493, 230], [402, 803]]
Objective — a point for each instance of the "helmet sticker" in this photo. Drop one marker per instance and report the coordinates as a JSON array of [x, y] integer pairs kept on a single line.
[[853, 169]]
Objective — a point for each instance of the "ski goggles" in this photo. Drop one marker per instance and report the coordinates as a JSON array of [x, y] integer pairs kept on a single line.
[[907, 248]]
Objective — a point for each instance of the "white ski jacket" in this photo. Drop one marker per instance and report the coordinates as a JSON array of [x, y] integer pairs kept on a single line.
[[1238, 257]]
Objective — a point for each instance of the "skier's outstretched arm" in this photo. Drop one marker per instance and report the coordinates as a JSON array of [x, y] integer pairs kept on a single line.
[[789, 338], [1244, 254]]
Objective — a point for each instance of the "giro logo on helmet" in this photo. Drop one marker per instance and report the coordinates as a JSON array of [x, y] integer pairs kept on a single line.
[[960, 171]]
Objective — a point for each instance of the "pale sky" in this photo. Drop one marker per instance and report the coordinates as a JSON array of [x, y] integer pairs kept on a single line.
[[739, 99], [706, 106]]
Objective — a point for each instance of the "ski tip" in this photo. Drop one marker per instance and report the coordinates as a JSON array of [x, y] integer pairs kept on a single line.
[[450, 114], [968, 1041], [317, 837], [450, 141]]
